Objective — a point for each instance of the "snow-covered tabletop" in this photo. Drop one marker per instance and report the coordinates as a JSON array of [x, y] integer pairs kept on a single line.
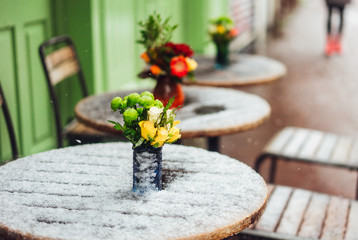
[[245, 69], [84, 192], [207, 111]]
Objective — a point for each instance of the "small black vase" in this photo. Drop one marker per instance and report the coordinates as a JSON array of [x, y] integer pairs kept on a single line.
[[222, 55], [147, 169]]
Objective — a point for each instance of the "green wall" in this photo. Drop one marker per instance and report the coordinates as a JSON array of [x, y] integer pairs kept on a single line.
[[104, 32], [23, 26]]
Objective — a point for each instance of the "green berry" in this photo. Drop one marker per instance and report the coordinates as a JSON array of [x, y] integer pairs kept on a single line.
[[148, 94], [116, 103], [146, 101], [157, 103], [130, 115], [133, 99]]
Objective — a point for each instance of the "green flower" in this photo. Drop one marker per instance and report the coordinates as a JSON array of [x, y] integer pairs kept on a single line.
[[116, 103], [132, 99], [148, 94], [157, 103], [130, 115], [145, 101]]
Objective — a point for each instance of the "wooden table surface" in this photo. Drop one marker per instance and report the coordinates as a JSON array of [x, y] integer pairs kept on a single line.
[[207, 111], [245, 69], [84, 192]]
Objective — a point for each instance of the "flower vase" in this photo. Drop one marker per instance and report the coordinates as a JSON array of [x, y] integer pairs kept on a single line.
[[147, 169], [222, 55], [166, 88]]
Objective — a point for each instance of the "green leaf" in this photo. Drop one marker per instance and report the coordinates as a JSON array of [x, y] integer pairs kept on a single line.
[[117, 125], [140, 141]]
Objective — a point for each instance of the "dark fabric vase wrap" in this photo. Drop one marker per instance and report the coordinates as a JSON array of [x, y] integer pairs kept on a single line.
[[222, 55], [147, 169]]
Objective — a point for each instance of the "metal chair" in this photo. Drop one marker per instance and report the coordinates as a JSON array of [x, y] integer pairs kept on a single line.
[[10, 127], [60, 61], [310, 146]]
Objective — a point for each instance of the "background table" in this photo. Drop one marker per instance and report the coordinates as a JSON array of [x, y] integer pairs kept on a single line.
[[245, 69], [84, 192], [207, 112]]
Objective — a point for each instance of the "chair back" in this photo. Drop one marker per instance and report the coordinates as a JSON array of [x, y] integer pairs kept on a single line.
[[60, 61], [8, 122]]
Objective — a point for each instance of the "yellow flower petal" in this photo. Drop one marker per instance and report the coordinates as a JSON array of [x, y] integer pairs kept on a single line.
[[161, 137], [174, 134], [176, 123], [192, 64], [220, 29], [148, 130]]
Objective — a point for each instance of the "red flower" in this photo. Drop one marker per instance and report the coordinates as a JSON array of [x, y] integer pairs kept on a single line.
[[178, 66], [180, 49]]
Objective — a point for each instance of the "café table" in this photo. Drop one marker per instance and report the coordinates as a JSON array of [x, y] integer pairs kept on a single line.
[[85, 192], [244, 69], [207, 112]]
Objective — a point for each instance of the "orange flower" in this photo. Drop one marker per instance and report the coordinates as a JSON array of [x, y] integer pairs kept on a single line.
[[155, 70], [145, 57], [233, 32], [178, 66]]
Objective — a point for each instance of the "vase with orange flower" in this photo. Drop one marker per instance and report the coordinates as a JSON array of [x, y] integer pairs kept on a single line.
[[167, 62], [222, 31]]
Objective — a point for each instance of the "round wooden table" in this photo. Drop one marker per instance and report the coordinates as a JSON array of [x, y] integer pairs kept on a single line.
[[207, 112], [245, 69], [85, 192]]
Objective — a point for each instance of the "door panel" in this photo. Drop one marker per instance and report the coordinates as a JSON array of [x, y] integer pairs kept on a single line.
[[8, 80], [24, 24]]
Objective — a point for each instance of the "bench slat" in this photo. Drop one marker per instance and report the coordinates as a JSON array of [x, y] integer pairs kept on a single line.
[[279, 141], [293, 215], [295, 143], [337, 213], [311, 145], [275, 207], [341, 150], [353, 157], [352, 226], [325, 150], [314, 216]]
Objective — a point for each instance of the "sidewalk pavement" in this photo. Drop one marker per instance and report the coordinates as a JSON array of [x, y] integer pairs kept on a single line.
[[318, 92]]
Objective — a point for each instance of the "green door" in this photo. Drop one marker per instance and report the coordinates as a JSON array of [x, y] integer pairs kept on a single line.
[[24, 24]]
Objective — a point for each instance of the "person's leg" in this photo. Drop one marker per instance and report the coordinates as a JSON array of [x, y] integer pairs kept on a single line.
[[338, 38], [329, 19], [341, 19], [329, 42]]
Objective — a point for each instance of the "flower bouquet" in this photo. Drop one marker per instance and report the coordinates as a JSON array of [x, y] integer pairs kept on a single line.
[[148, 124], [222, 31], [167, 62]]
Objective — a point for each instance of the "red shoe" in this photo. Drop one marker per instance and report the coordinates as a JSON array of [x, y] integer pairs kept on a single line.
[[337, 45], [330, 46]]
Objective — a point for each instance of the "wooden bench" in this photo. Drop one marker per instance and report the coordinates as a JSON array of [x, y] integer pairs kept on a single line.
[[311, 146], [293, 213]]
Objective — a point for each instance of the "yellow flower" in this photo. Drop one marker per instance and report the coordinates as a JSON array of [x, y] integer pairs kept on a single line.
[[192, 64], [145, 57], [148, 130], [176, 123], [220, 29], [161, 137], [174, 134]]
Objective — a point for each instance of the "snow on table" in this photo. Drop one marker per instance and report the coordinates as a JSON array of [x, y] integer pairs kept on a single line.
[[244, 69], [85, 192], [207, 111]]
